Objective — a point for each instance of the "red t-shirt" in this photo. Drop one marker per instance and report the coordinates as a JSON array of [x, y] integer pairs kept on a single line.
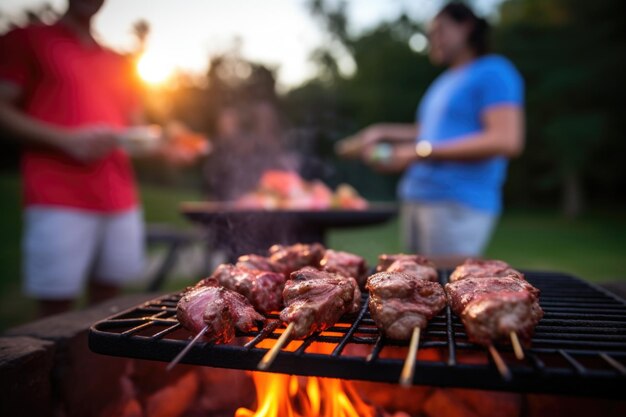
[[69, 84]]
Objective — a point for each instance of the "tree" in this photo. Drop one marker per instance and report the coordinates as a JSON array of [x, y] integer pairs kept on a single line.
[[567, 50]]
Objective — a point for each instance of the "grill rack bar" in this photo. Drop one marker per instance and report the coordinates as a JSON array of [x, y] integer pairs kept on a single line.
[[579, 347]]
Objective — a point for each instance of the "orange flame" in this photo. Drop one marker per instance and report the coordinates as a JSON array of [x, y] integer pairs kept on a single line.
[[281, 395]]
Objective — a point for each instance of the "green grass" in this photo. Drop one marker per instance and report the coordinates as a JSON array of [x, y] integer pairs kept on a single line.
[[592, 247], [160, 206]]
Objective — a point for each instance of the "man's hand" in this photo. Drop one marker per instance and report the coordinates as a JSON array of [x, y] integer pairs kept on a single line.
[[89, 143]]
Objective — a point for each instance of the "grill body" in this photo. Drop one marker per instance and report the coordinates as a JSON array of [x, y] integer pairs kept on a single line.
[[579, 346]]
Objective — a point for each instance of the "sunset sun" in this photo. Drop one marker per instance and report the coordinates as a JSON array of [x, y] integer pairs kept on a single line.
[[154, 68]]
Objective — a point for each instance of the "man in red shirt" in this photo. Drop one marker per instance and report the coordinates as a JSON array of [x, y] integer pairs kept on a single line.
[[66, 98]]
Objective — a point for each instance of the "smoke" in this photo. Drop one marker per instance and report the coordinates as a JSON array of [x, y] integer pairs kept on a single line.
[[250, 140]]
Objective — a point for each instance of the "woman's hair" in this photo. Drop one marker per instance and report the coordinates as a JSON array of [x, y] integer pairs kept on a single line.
[[479, 36]]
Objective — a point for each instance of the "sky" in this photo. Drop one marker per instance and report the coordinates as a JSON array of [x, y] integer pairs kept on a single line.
[[279, 33]]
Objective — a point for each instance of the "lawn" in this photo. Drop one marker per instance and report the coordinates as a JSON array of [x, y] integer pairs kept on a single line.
[[592, 247]]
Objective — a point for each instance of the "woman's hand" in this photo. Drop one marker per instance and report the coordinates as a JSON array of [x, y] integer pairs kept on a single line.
[[359, 145], [401, 156], [356, 146]]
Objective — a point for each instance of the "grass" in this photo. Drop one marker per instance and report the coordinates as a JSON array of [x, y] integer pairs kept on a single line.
[[160, 206], [592, 247]]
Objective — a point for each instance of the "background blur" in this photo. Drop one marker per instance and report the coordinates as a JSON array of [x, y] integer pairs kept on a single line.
[[332, 67]]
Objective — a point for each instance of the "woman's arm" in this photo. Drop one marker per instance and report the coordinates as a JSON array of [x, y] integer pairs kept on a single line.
[[356, 145], [503, 135]]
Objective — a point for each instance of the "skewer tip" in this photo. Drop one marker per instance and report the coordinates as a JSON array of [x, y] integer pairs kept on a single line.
[[186, 349], [517, 346], [271, 354], [503, 369], [408, 370]]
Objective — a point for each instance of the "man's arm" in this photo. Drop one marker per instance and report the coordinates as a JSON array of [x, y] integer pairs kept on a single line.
[[83, 144]]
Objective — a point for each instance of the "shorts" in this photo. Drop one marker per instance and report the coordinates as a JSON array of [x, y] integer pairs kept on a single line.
[[446, 228], [63, 247]]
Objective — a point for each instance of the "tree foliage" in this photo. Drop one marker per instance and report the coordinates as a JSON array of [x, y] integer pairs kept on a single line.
[[570, 55]]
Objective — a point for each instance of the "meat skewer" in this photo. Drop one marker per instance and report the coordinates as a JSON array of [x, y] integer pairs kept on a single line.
[[314, 301], [346, 264], [490, 269], [401, 304], [262, 288], [479, 268], [215, 311], [494, 308], [488, 310], [292, 258], [414, 264], [258, 263], [404, 296]]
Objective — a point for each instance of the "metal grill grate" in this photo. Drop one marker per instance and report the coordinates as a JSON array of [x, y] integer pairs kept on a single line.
[[579, 346]]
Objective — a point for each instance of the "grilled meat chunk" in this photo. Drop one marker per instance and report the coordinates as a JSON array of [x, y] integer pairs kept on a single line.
[[418, 271], [479, 268], [315, 300], [387, 259], [346, 264], [291, 258], [258, 262], [492, 307], [221, 309], [262, 288], [399, 302], [463, 292]]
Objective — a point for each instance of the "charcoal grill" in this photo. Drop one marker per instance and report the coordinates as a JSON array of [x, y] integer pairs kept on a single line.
[[239, 231], [579, 346]]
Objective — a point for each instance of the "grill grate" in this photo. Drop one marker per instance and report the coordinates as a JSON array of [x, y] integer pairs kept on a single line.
[[579, 346]]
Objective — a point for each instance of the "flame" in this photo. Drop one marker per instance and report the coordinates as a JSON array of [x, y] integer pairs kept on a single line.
[[281, 395]]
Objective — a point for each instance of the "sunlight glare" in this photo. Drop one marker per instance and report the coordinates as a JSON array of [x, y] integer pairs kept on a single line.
[[154, 69]]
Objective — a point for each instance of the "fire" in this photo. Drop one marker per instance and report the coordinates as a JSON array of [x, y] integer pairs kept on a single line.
[[281, 395]]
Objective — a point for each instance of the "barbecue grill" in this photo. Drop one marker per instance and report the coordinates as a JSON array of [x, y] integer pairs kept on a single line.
[[579, 346], [258, 229]]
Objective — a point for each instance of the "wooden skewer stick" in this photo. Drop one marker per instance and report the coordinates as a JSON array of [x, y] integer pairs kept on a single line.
[[271, 354], [517, 347], [504, 370], [183, 352], [406, 377]]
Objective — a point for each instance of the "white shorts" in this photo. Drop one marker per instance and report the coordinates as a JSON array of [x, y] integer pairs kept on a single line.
[[446, 228], [63, 247]]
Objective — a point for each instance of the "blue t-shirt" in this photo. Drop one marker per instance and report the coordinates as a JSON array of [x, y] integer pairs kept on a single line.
[[452, 108]]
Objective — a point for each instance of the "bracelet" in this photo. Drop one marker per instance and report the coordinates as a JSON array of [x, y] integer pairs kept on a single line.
[[423, 149]]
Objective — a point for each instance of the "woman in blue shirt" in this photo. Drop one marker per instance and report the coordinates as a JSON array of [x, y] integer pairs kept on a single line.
[[454, 158]]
